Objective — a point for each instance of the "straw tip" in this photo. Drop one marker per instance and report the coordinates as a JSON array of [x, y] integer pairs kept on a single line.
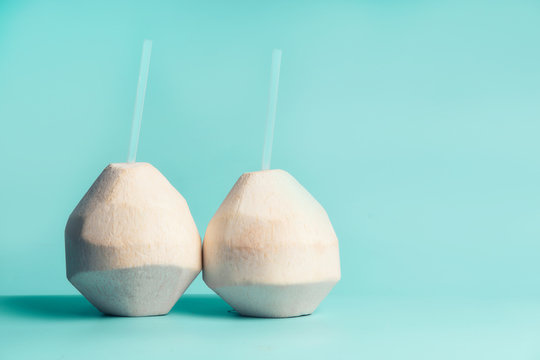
[[147, 44]]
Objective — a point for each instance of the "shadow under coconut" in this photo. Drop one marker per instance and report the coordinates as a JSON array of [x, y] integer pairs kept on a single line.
[[203, 305], [49, 307], [76, 307]]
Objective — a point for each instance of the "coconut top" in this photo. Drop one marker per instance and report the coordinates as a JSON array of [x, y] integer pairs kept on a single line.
[[132, 212], [269, 229]]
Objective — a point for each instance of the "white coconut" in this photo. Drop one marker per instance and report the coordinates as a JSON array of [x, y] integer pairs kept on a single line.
[[270, 249], [132, 247]]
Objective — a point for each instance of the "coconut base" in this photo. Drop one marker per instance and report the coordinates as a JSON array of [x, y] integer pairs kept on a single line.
[[275, 301], [139, 291]]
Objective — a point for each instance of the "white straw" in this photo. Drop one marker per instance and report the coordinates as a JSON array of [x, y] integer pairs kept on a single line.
[[272, 106], [139, 101]]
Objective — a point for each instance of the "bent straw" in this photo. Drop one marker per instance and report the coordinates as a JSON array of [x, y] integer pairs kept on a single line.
[[272, 106], [139, 101]]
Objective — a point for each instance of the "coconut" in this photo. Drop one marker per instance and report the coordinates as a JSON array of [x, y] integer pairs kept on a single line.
[[270, 249], [132, 247]]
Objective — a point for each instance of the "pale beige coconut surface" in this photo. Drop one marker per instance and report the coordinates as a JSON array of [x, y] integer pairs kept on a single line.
[[132, 247], [270, 249]]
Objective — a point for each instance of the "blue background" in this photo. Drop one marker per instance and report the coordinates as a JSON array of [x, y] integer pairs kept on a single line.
[[414, 123]]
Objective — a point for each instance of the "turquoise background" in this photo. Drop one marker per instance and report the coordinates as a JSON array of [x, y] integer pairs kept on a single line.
[[414, 123]]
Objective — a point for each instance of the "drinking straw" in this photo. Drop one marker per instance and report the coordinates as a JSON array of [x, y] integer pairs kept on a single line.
[[272, 106], [139, 101]]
